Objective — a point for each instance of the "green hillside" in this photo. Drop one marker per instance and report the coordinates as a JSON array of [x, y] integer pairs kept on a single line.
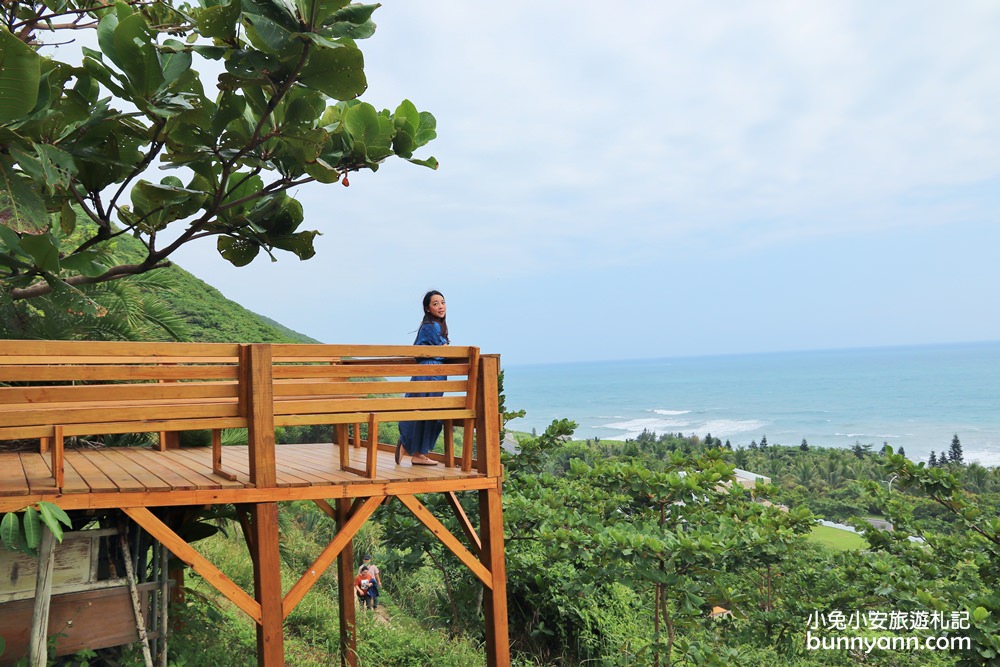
[[213, 318]]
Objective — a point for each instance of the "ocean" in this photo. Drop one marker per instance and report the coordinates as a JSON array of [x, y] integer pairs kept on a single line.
[[915, 397]]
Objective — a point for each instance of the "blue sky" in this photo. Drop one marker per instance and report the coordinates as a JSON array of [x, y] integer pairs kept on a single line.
[[651, 179]]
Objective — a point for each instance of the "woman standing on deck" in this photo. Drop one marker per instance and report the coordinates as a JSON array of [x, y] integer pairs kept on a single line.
[[418, 438]]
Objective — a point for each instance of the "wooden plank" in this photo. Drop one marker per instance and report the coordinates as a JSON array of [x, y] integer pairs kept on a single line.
[[93, 476], [35, 415], [442, 533], [303, 351], [122, 473], [127, 458], [91, 619], [291, 457], [13, 479], [158, 350], [82, 373], [159, 465], [361, 488], [370, 371], [283, 388], [73, 481], [188, 459], [117, 392], [366, 405], [386, 416], [38, 473], [201, 565], [149, 426]]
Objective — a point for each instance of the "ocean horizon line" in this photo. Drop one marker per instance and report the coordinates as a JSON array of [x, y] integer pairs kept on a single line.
[[760, 353]]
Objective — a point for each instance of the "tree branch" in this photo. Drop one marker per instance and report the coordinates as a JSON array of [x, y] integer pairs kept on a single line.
[[43, 288]]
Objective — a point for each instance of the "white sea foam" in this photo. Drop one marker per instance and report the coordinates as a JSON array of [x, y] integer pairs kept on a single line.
[[719, 428], [983, 458], [866, 436], [672, 413], [724, 428]]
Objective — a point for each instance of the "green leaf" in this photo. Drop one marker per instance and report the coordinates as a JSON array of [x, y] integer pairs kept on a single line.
[[239, 251], [20, 72], [43, 251], [57, 165], [21, 206], [174, 64], [32, 528], [301, 244], [10, 531], [54, 515], [86, 262], [980, 614], [338, 73], [219, 21], [137, 58]]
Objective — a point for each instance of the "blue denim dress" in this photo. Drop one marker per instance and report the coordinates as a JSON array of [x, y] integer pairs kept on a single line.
[[420, 437]]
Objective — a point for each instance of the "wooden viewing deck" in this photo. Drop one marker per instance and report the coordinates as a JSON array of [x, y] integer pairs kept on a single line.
[[51, 392]]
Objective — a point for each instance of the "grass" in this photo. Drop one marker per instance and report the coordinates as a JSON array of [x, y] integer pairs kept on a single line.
[[841, 540]]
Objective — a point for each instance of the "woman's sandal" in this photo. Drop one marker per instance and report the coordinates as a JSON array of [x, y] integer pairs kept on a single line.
[[423, 462], [399, 452]]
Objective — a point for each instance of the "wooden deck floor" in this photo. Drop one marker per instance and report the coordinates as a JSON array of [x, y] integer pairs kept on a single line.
[[119, 477]]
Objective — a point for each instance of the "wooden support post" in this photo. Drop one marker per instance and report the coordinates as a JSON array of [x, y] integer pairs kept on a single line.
[[449, 443], [488, 416], [371, 463], [257, 402], [341, 438], [495, 598], [345, 588], [267, 585], [217, 456], [38, 649], [58, 460], [471, 403], [169, 440], [468, 443]]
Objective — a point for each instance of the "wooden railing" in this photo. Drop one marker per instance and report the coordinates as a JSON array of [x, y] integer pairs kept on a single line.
[[53, 390]]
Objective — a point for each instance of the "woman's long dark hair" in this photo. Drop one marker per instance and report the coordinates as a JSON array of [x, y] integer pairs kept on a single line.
[[428, 317]]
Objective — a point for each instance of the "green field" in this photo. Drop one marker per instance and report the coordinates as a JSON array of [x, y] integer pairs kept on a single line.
[[837, 539]]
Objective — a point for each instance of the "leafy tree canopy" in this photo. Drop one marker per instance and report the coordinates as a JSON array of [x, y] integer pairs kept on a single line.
[[85, 138]]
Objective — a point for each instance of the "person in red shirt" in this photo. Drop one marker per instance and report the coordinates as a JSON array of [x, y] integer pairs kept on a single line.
[[364, 585]]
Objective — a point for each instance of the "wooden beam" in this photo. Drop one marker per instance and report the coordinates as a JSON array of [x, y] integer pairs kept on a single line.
[[371, 464], [121, 499], [438, 529], [488, 416], [257, 403], [38, 649], [463, 521], [345, 589], [267, 585], [217, 456], [58, 457], [495, 598], [201, 565], [346, 530]]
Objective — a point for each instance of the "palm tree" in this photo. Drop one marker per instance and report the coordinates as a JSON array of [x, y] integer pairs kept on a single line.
[[125, 309]]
